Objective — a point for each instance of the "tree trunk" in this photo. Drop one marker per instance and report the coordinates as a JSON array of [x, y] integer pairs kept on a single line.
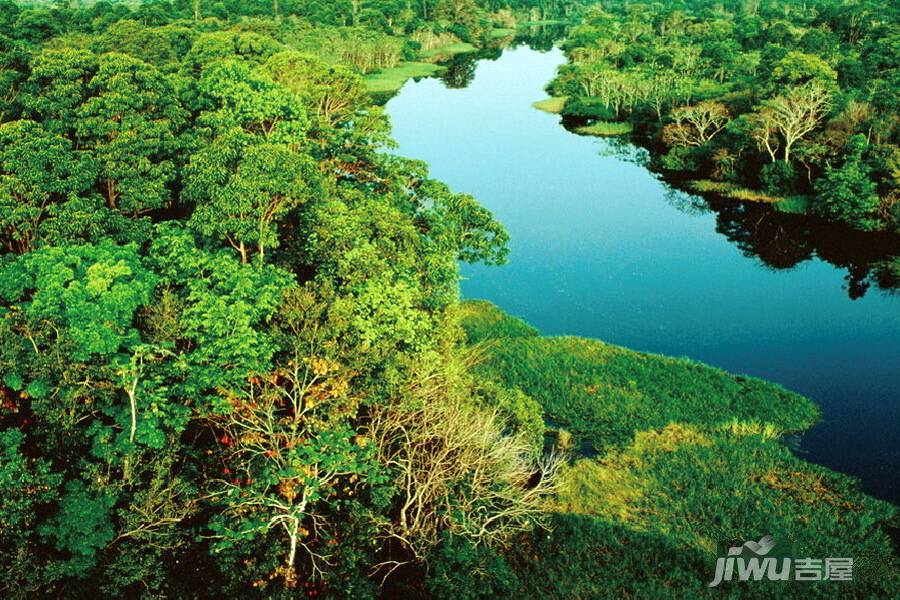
[[293, 533]]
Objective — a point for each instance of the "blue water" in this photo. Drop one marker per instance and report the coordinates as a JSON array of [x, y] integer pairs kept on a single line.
[[602, 248]]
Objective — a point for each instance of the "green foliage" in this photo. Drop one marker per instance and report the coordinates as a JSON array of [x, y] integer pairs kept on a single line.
[[847, 194], [226, 305], [80, 528], [790, 88], [242, 188], [605, 393], [129, 124], [778, 178], [458, 223], [797, 68], [214, 279], [482, 321], [92, 291], [522, 414], [199, 227], [39, 186], [236, 97], [25, 485], [470, 572], [58, 85]]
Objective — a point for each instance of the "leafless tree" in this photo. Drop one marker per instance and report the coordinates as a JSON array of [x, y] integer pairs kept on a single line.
[[696, 125], [797, 113], [457, 471]]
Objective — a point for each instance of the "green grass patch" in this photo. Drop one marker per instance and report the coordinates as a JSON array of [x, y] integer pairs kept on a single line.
[[502, 33], [551, 105], [391, 80], [731, 190], [799, 205], [690, 459], [444, 52], [604, 393], [482, 321], [606, 128], [590, 108]]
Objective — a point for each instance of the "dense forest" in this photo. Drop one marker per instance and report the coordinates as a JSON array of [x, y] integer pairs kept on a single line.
[[234, 362], [782, 101]]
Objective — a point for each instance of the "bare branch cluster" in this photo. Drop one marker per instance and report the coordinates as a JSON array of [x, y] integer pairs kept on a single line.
[[457, 471], [696, 125], [790, 117]]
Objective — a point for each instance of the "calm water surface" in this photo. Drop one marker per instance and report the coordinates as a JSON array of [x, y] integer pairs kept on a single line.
[[602, 248]]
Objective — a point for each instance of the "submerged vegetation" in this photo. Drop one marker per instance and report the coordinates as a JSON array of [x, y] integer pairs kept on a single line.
[[234, 363]]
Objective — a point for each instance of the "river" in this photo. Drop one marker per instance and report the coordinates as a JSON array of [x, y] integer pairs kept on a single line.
[[602, 248]]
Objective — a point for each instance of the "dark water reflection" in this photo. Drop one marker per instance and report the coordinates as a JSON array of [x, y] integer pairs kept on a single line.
[[783, 240], [602, 248], [459, 71]]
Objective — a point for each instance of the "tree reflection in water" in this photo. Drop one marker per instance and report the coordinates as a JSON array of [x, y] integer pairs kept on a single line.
[[783, 241]]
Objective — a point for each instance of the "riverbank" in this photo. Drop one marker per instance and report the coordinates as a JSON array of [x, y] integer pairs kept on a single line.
[[602, 248], [784, 124], [389, 81], [430, 62], [676, 457]]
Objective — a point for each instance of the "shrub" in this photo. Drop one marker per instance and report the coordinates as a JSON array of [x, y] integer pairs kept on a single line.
[[778, 178]]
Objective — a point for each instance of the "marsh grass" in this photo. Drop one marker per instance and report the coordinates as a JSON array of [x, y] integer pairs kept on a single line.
[[604, 393], [606, 128], [447, 51], [733, 191], [689, 456], [391, 80], [795, 204], [502, 33], [551, 105]]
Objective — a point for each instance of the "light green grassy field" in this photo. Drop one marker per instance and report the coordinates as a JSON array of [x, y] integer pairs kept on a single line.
[[731, 190], [448, 51], [682, 458], [502, 33], [391, 80], [605, 128], [551, 105]]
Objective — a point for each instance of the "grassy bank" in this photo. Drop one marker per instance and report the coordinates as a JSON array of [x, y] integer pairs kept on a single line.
[[448, 51], [731, 190], [606, 128], [551, 105], [687, 457], [391, 80], [503, 32]]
